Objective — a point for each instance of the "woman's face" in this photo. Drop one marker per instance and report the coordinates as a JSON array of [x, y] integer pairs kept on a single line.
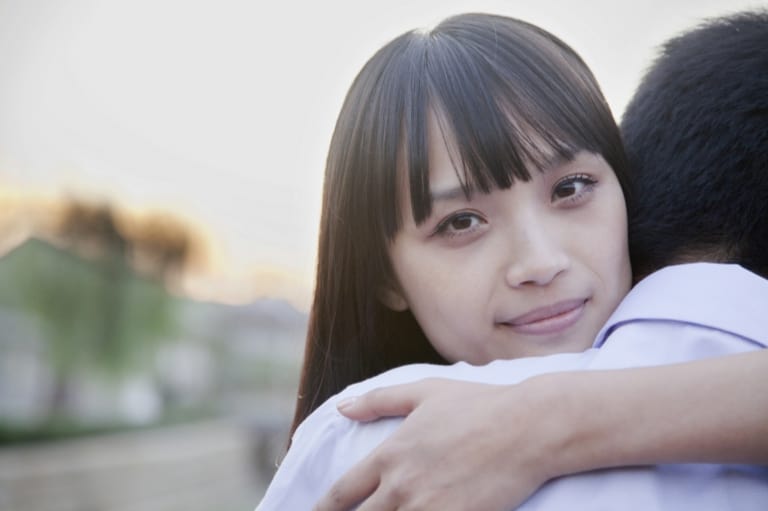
[[532, 270]]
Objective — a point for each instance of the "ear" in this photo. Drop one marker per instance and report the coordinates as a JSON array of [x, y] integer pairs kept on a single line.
[[392, 298]]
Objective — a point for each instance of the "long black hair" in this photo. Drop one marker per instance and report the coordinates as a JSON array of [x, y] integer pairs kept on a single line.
[[510, 94]]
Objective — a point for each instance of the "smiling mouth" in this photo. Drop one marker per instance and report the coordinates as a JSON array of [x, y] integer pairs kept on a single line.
[[548, 320]]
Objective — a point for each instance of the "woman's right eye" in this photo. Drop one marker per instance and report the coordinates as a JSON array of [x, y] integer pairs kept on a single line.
[[459, 224]]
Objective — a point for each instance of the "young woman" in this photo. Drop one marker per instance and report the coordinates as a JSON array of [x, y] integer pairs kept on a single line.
[[473, 172]]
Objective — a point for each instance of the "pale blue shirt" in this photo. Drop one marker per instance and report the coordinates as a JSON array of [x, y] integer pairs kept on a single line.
[[681, 313]]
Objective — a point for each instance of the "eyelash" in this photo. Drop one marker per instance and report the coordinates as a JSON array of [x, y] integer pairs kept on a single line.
[[443, 228], [588, 183]]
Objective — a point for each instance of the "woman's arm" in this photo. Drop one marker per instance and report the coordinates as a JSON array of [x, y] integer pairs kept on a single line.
[[714, 410], [483, 447]]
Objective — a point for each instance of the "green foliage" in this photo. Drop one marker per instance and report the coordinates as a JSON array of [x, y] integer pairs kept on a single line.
[[96, 315]]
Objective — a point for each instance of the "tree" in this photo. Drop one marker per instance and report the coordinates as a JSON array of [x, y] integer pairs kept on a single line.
[[98, 314]]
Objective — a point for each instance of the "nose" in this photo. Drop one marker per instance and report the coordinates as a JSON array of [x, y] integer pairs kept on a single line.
[[538, 256]]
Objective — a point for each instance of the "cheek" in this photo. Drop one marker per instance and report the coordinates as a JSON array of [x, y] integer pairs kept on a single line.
[[599, 237], [444, 306], [450, 330], [437, 316], [424, 274], [614, 250]]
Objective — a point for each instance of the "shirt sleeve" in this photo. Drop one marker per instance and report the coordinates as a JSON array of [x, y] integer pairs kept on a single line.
[[327, 445], [650, 343], [300, 477], [324, 448]]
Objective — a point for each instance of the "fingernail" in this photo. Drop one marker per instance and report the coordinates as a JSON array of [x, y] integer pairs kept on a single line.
[[345, 403]]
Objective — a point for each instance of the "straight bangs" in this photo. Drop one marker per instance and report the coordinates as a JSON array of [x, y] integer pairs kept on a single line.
[[509, 99]]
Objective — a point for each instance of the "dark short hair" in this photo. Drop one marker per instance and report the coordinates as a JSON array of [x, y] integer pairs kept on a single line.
[[696, 135], [509, 94]]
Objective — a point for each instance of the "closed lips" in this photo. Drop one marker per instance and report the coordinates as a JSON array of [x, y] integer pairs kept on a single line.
[[550, 311]]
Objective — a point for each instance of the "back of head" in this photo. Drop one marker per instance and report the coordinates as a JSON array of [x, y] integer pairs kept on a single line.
[[696, 135]]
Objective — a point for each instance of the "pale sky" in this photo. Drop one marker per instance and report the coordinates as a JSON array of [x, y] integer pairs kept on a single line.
[[221, 111]]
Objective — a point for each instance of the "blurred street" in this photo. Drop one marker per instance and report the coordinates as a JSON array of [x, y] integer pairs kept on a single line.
[[217, 465]]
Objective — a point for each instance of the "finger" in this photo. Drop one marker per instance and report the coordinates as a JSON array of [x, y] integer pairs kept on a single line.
[[354, 486], [395, 401], [379, 501]]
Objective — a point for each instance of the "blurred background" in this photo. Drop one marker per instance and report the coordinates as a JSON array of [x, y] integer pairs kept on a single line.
[[160, 177]]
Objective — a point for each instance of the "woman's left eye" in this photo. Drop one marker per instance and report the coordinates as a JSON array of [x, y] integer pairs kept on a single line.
[[572, 188]]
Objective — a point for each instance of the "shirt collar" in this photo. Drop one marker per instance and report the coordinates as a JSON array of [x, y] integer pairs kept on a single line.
[[720, 296]]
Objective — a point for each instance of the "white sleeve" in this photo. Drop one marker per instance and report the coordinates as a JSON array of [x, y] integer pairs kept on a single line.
[[323, 448], [299, 479], [650, 343]]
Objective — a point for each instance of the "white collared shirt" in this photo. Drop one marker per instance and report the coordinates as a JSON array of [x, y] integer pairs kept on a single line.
[[677, 314]]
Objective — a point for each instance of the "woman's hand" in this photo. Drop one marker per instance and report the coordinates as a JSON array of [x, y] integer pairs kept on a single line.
[[463, 446]]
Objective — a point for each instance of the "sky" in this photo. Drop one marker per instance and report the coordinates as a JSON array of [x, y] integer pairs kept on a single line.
[[220, 111]]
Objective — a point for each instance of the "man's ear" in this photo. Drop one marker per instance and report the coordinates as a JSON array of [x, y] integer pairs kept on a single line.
[[392, 298]]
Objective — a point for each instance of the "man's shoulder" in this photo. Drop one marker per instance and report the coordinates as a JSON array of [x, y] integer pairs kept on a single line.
[[724, 297]]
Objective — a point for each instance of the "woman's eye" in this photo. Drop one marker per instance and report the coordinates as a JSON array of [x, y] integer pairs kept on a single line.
[[572, 188], [458, 224]]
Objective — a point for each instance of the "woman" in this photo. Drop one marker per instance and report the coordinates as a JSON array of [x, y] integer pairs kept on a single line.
[[506, 120], [470, 174]]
